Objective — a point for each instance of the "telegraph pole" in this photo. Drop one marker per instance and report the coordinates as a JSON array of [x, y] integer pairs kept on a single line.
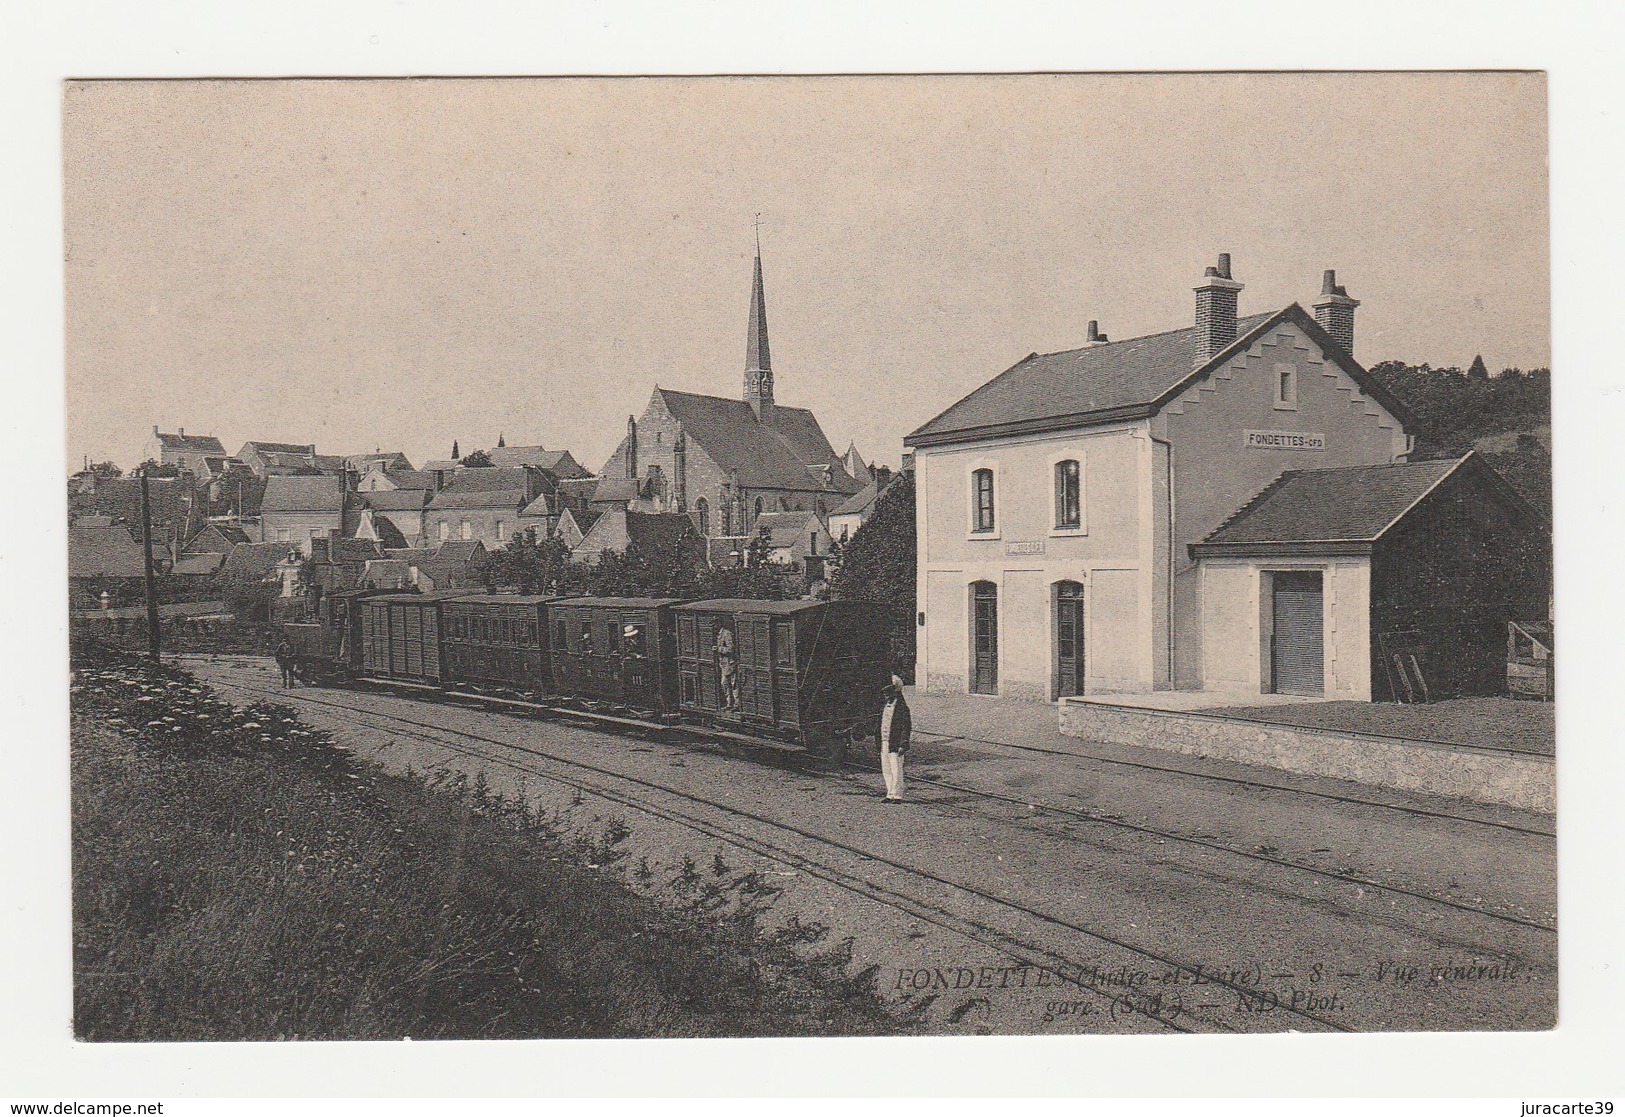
[[147, 577]]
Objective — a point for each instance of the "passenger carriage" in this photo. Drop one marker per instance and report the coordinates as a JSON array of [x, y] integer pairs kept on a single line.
[[498, 641], [617, 651], [809, 673]]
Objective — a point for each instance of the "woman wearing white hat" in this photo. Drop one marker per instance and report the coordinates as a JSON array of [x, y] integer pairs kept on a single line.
[[896, 728]]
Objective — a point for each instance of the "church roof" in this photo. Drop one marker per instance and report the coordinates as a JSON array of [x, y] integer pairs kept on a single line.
[[785, 455], [757, 358]]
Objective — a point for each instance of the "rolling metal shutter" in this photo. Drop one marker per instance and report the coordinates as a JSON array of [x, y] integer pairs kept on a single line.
[[1299, 647]]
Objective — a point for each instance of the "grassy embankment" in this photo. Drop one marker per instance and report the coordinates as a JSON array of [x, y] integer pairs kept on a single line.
[[238, 875]]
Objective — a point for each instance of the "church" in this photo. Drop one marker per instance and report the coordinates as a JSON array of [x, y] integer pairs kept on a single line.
[[728, 462]]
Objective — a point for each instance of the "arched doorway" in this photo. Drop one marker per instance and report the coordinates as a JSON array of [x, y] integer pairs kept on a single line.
[[1069, 639], [984, 638]]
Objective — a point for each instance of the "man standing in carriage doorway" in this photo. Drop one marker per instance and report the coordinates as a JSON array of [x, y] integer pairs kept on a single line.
[[727, 668], [896, 730]]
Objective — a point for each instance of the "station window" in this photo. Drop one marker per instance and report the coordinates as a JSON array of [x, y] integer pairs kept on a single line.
[[1068, 494], [1286, 387], [982, 500]]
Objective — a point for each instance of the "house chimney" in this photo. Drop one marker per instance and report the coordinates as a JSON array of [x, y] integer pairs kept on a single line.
[[1094, 336], [1215, 311], [631, 448], [1335, 311]]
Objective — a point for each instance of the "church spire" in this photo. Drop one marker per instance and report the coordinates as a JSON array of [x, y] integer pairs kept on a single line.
[[758, 363]]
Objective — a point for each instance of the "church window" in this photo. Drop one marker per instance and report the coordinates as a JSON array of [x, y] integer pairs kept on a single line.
[[702, 508], [758, 507]]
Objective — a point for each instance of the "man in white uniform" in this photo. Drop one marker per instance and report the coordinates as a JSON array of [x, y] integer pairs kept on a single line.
[[896, 728]]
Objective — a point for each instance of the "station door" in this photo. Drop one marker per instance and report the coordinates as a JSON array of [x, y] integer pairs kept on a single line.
[[1069, 646], [1298, 648], [985, 638]]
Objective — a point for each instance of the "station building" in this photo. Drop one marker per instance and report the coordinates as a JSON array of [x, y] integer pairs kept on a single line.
[[1229, 507]]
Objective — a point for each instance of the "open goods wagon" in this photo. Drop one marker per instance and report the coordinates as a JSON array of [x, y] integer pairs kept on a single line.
[[809, 673]]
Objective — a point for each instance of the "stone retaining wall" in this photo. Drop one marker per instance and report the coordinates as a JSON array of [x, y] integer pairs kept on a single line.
[[1523, 780]]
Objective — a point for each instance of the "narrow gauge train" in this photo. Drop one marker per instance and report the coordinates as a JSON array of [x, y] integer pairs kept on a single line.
[[800, 678]]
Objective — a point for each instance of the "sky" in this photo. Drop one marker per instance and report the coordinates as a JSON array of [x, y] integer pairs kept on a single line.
[[400, 264]]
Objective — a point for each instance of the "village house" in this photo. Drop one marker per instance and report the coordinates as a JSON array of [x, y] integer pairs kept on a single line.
[[845, 520], [388, 514], [726, 462], [793, 537], [1209, 509], [190, 453], [296, 510], [483, 504]]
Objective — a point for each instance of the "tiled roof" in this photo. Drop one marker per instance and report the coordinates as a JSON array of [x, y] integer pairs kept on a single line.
[[303, 494], [657, 530], [192, 443], [762, 456], [388, 534], [616, 490], [396, 500], [441, 465], [252, 561], [1352, 505], [413, 556], [1125, 379], [198, 565], [859, 502], [104, 551], [1097, 378], [302, 449], [411, 478], [787, 529], [488, 487], [459, 550], [216, 538], [524, 455], [333, 463]]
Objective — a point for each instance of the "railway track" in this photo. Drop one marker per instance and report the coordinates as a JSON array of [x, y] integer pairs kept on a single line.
[[475, 745], [1251, 855], [1402, 808], [1169, 1013]]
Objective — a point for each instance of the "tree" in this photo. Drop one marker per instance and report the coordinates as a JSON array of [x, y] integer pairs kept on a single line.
[[479, 459], [154, 468], [1477, 371], [879, 564], [531, 565], [100, 470]]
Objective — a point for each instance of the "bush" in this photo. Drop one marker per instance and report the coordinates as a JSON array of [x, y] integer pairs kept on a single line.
[[239, 875]]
